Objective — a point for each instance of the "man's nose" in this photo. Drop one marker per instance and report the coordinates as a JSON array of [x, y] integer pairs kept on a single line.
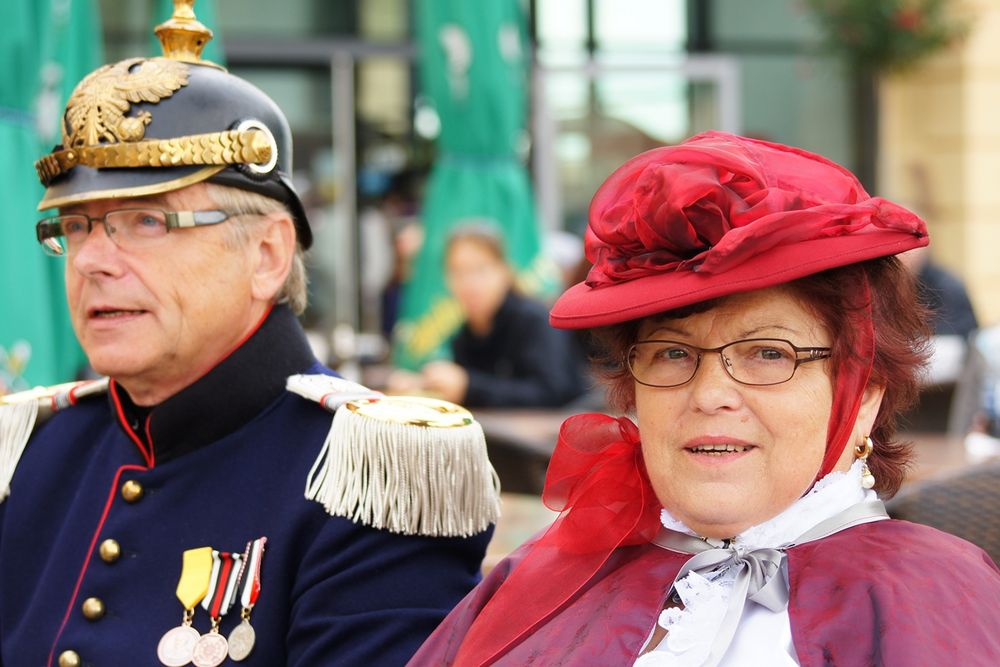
[[96, 252]]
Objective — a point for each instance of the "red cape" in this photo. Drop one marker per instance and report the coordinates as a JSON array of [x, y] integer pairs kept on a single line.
[[882, 593]]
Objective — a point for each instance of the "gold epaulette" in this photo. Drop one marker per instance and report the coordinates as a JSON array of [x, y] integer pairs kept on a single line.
[[406, 464], [20, 413]]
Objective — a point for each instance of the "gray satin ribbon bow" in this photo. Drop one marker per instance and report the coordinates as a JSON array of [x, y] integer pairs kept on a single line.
[[761, 574]]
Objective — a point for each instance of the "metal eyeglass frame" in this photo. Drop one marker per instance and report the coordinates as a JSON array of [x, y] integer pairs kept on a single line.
[[50, 228], [815, 354]]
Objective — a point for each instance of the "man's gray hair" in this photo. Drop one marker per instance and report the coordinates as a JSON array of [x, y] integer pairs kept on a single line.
[[294, 291]]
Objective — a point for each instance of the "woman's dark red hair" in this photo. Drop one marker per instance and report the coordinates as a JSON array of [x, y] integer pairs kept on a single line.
[[901, 349]]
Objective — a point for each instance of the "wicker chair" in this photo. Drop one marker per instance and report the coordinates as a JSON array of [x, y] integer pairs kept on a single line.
[[966, 504]]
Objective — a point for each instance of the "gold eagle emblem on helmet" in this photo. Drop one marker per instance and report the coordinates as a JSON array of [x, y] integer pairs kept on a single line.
[[96, 110]]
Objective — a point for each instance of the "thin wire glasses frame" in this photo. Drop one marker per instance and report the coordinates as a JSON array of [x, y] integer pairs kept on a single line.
[[62, 235], [757, 362]]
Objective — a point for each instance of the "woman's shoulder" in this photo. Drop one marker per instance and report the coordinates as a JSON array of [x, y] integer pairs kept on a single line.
[[900, 543], [896, 560], [892, 576], [904, 539]]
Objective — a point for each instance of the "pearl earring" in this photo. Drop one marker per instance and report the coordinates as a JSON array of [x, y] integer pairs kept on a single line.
[[862, 451]]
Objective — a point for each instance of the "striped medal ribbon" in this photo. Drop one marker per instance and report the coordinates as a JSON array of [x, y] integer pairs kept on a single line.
[[176, 647], [212, 648], [243, 637]]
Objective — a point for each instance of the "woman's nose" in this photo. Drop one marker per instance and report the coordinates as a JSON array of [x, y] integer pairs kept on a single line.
[[712, 388]]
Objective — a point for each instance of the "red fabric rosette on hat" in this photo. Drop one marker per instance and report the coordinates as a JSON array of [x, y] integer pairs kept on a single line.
[[720, 214]]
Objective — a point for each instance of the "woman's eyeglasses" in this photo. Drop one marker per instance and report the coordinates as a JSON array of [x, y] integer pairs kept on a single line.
[[753, 361]]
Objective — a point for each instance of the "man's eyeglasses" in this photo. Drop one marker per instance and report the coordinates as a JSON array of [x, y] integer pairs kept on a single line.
[[754, 361], [129, 228]]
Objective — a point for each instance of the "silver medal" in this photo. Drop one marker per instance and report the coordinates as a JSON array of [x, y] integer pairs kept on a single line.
[[176, 647], [241, 641]]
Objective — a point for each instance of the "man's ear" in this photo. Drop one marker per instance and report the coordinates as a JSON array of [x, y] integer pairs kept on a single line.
[[272, 253]]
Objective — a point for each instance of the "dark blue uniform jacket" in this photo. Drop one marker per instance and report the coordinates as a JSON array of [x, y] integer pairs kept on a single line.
[[220, 463]]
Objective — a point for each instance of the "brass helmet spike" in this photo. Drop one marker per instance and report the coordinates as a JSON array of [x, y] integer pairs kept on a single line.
[[183, 36]]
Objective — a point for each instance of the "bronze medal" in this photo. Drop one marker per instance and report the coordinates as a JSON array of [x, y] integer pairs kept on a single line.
[[241, 641], [211, 650], [176, 647]]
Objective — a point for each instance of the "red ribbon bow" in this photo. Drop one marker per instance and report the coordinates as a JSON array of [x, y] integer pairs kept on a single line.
[[598, 480]]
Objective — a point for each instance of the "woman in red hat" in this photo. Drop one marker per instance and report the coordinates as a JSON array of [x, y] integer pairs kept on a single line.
[[764, 338]]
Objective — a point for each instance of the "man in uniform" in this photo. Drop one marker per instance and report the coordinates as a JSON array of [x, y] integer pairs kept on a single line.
[[151, 504]]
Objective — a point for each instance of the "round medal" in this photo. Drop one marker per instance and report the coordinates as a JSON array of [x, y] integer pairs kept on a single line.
[[176, 647], [210, 651], [241, 641]]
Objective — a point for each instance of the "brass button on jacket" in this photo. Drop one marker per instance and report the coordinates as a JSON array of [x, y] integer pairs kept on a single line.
[[69, 659], [131, 491], [93, 609], [110, 550]]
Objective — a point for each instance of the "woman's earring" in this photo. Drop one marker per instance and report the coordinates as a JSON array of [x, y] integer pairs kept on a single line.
[[862, 451]]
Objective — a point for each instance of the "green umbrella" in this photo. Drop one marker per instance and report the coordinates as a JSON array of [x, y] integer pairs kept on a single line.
[[48, 46], [474, 70]]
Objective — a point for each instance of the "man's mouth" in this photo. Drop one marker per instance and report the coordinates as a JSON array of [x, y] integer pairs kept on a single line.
[[113, 313]]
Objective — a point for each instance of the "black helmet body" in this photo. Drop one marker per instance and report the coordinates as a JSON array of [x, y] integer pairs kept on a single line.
[[147, 126]]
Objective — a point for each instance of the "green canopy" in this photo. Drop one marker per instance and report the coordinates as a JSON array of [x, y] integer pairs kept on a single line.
[[474, 71], [48, 46]]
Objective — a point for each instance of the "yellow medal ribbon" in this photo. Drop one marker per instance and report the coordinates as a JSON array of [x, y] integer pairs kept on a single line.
[[195, 575]]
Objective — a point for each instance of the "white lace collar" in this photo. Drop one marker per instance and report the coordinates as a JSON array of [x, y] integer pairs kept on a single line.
[[691, 629], [830, 495]]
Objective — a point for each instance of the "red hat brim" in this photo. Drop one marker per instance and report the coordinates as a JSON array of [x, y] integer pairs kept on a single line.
[[584, 307]]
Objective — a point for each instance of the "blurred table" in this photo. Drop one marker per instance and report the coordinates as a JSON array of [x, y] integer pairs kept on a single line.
[[520, 442]]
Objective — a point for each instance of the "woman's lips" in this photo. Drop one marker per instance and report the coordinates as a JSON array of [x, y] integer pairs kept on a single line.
[[719, 449], [718, 446]]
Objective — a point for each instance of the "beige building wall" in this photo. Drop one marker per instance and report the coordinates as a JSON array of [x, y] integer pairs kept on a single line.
[[940, 152]]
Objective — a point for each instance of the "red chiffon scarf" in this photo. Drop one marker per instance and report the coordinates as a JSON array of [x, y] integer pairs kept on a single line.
[[851, 374], [597, 479]]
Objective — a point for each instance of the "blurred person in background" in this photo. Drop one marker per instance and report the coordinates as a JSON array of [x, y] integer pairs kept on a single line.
[[406, 242], [505, 354], [764, 338], [943, 293], [952, 317]]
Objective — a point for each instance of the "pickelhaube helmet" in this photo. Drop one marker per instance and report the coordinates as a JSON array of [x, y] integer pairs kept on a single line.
[[145, 126]]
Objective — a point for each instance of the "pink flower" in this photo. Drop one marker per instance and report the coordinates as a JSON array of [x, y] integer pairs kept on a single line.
[[911, 19]]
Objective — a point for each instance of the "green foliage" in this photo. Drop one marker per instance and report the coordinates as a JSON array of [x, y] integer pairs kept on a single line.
[[880, 35]]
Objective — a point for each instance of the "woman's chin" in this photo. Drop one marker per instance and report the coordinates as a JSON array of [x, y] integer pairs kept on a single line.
[[722, 521], [719, 531]]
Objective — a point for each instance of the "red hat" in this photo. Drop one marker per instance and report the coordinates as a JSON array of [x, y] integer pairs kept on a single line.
[[720, 214]]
